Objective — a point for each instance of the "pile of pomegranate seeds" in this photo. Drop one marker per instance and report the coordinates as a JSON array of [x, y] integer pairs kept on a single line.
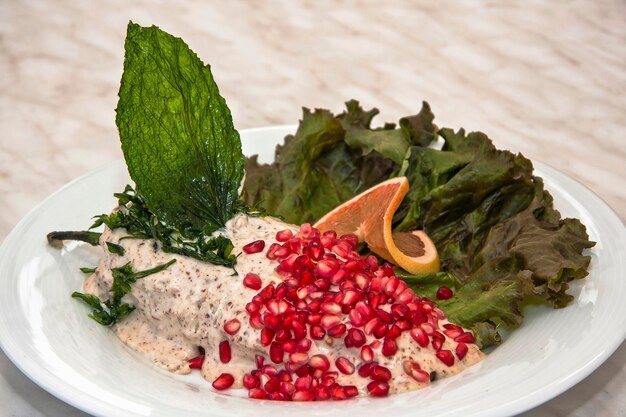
[[329, 292]]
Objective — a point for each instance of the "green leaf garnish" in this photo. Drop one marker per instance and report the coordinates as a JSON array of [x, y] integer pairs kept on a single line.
[[177, 134], [113, 310], [86, 270], [115, 248]]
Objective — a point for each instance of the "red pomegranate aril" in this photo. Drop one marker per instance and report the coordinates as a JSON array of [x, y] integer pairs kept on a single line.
[[466, 337], [415, 372], [361, 280], [393, 332], [380, 373], [355, 337], [452, 330], [317, 332], [329, 321], [350, 239], [298, 358], [267, 335], [276, 352], [259, 360], [367, 354], [224, 350], [282, 335], [271, 321], [277, 307], [252, 308], [389, 347], [417, 317], [403, 325], [356, 318], [302, 396], [322, 393], [390, 286], [376, 284], [284, 235], [289, 346], [252, 281], [298, 330], [428, 328], [366, 368], [257, 394], [337, 331], [320, 362], [344, 365], [372, 325], [446, 357], [337, 392], [314, 251], [461, 350], [349, 297], [380, 331], [406, 295], [250, 381], [419, 335], [444, 293], [303, 345], [399, 311], [224, 381], [272, 385], [326, 268], [303, 382], [330, 308], [365, 310], [267, 293], [437, 340], [196, 363], [269, 370], [232, 326], [378, 388], [287, 388], [254, 247], [351, 391]]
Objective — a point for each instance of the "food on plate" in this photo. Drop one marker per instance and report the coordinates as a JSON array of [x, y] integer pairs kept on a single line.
[[194, 277]]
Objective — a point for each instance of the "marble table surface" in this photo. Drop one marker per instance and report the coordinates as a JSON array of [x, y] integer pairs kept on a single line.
[[547, 79]]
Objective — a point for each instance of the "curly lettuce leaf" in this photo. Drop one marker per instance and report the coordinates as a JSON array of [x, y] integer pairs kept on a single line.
[[177, 133]]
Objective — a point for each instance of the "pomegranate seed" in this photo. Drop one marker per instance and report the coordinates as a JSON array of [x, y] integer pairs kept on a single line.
[[355, 338], [419, 335], [337, 331], [252, 281], [267, 335], [356, 318], [271, 321], [349, 297], [461, 350], [399, 311], [306, 230], [391, 285], [378, 389], [282, 252], [232, 326], [252, 308], [196, 363], [287, 388], [250, 381], [393, 332], [289, 346], [303, 382], [337, 392], [224, 381], [314, 251], [363, 309], [452, 330], [317, 332], [326, 268], [302, 396], [267, 293], [224, 349], [330, 308], [254, 247], [319, 362], [446, 357], [380, 373], [403, 325], [428, 328], [376, 284], [303, 345], [284, 235], [361, 280], [414, 370], [367, 354], [344, 365], [372, 325], [444, 293], [298, 358], [466, 337], [282, 335], [277, 307], [380, 331], [257, 394], [350, 239], [389, 347], [437, 340], [329, 321], [269, 370], [366, 369], [276, 352], [259, 360], [351, 391], [314, 318], [406, 295], [322, 393], [272, 385]]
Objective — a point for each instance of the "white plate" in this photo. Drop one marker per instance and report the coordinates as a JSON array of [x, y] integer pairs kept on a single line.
[[49, 337]]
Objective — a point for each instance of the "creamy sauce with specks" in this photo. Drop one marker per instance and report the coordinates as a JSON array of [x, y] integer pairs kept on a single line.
[[185, 307]]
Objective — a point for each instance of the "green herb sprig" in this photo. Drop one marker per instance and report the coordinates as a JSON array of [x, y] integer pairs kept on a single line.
[[113, 310]]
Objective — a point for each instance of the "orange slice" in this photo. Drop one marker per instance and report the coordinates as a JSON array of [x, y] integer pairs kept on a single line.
[[369, 216]]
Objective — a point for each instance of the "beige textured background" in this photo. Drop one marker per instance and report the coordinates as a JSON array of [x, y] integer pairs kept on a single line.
[[547, 79]]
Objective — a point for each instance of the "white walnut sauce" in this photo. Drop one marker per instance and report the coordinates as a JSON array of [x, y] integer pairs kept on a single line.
[[185, 307]]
